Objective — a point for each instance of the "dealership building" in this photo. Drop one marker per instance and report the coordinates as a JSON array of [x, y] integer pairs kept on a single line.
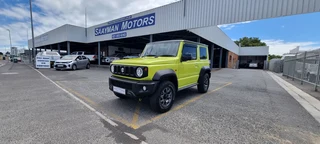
[[194, 20]]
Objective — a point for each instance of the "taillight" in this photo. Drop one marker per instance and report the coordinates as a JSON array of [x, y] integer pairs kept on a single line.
[[94, 56]]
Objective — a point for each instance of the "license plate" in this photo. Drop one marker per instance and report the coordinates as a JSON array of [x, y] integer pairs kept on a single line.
[[60, 65], [119, 90]]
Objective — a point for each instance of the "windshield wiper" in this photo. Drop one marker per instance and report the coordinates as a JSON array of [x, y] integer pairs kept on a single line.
[[165, 56], [148, 55]]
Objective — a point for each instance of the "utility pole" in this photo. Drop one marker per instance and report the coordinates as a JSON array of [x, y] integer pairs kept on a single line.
[[33, 54], [10, 40]]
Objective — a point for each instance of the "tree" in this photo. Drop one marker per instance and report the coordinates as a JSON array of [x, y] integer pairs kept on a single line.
[[270, 57], [1, 53], [250, 42]]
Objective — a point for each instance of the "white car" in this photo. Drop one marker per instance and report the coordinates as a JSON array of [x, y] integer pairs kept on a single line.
[[113, 57], [253, 65], [90, 56]]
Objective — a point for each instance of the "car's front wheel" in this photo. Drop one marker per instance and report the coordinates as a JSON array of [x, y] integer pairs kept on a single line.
[[88, 66], [162, 100], [204, 82], [74, 67]]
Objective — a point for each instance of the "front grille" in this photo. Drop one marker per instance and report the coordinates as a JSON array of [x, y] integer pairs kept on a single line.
[[124, 70]]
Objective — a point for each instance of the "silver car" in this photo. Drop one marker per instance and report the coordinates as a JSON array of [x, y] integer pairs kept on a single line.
[[72, 62]]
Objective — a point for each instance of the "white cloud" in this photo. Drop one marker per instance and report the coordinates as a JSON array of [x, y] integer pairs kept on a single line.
[[230, 26], [55, 13], [280, 47]]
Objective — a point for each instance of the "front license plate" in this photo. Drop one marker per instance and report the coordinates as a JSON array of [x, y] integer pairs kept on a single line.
[[119, 90], [60, 65]]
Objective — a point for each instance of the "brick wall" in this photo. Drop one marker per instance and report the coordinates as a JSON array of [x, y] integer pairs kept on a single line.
[[232, 59]]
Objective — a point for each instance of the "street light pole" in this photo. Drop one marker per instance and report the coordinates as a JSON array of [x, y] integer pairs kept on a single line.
[[33, 54], [10, 40]]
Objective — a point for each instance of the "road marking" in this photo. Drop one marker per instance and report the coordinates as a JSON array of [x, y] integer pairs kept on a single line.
[[88, 100], [76, 98], [311, 104], [78, 94], [136, 116], [181, 106], [132, 136], [10, 73]]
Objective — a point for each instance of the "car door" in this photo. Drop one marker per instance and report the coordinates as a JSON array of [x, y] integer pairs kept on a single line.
[[84, 61], [79, 62], [188, 68]]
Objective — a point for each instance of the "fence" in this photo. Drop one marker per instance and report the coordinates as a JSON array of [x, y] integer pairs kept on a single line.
[[304, 67]]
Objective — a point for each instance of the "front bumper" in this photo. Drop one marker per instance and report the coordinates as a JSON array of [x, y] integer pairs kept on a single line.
[[133, 88], [63, 66]]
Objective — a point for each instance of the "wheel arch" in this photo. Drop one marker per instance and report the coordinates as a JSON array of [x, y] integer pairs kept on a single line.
[[204, 70], [166, 75]]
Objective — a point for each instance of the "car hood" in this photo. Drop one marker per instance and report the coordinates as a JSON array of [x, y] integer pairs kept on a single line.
[[63, 60], [146, 61]]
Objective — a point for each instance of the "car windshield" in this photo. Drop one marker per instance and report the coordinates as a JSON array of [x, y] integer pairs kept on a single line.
[[161, 49], [69, 57], [51, 53]]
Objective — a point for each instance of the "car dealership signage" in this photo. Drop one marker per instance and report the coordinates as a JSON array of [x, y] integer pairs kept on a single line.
[[42, 62], [138, 22]]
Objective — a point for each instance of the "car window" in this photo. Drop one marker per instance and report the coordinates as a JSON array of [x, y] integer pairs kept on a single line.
[[203, 53], [79, 58], [83, 57], [190, 50]]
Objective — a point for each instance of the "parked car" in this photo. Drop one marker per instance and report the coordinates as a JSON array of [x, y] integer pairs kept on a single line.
[[53, 56], [131, 56], [91, 56], [113, 57], [72, 62]]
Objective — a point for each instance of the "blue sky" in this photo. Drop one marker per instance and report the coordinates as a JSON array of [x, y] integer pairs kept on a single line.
[[281, 34]]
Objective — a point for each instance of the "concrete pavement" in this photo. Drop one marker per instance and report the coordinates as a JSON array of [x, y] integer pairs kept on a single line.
[[243, 106]]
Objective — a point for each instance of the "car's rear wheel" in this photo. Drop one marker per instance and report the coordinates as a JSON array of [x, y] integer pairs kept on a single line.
[[162, 100], [120, 95], [88, 66], [204, 82], [74, 67]]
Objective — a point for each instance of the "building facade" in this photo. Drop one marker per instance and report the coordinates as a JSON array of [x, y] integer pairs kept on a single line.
[[194, 20]]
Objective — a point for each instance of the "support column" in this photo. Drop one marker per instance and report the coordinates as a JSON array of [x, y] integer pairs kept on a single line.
[[151, 38], [199, 39], [45, 48], [303, 67], [99, 53], [212, 56], [51, 47], [68, 48], [220, 62], [58, 48]]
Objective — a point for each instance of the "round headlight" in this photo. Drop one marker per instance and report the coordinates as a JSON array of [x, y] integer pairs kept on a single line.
[[112, 68], [139, 72]]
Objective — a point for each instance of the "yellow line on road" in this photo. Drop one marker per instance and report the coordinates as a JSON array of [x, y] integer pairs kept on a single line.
[[136, 116], [78, 94], [181, 105], [88, 100]]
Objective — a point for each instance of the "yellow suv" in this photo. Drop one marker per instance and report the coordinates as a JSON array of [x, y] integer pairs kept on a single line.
[[163, 69]]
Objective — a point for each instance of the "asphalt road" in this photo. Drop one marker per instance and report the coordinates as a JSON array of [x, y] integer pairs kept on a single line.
[[242, 106]]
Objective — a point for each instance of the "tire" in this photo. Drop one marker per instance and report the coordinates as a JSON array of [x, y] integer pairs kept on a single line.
[[121, 96], [74, 67], [204, 83], [88, 66], [162, 100], [58, 69]]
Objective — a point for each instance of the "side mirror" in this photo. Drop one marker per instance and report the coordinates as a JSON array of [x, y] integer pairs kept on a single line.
[[186, 57]]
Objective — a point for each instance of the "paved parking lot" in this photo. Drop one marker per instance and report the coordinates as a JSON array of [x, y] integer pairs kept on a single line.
[[245, 106]]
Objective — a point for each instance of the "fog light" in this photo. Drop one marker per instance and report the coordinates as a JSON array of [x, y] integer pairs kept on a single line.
[[68, 65], [144, 88]]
